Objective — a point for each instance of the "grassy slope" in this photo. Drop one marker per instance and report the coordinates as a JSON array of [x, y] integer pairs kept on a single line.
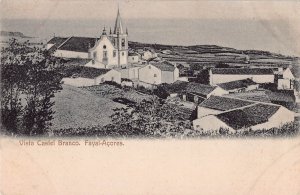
[[77, 107]]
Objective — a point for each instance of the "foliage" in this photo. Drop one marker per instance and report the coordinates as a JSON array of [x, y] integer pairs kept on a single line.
[[222, 65], [203, 77], [29, 78], [160, 91]]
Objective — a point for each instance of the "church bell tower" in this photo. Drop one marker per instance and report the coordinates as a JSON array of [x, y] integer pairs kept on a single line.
[[120, 41]]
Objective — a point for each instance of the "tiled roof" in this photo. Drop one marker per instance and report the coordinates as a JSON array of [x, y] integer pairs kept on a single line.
[[264, 95], [199, 89], [164, 66], [79, 44], [86, 72], [224, 103], [237, 84], [243, 71], [255, 95], [176, 87], [57, 40], [248, 116]]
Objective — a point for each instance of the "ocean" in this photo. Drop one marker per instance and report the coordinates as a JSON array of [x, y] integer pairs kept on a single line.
[[272, 35]]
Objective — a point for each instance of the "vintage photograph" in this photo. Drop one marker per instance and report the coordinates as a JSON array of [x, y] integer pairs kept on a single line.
[[149, 69]]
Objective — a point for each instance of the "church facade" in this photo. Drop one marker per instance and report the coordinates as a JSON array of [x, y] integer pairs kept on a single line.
[[110, 50]]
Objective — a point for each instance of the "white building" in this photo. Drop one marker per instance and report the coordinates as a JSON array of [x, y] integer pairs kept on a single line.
[[147, 55], [196, 92], [131, 73], [134, 58], [285, 79], [158, 73], [87, 76], [216, 113], [224, 75], [111, 49]]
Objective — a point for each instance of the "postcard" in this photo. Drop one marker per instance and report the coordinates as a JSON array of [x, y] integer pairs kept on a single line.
[[150, 97]]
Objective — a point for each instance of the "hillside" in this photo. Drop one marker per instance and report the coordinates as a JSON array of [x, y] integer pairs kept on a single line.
[[75, 107], [13, 34], [210, 55]]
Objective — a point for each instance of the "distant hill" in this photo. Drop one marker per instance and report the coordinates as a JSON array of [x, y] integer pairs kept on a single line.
[[210, 55], [13, 34]]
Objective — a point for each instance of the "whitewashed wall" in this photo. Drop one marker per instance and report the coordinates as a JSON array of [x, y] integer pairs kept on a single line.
[[112, 75], [284, 84], [218, 91], [71, 54], [202, 111], [95, 64], [49, 45], [281, 117], [79, 81], [98, 48], [146, 74], [210, 123], [133, 59]]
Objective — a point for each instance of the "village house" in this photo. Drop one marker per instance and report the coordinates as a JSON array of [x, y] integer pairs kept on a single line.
[[284, 79], [286, 98], [133, 58], [224, 75], [158, 73], [110, 50], [87, 76], [237, 115], [239, 85], [196, 92], [147, 55]]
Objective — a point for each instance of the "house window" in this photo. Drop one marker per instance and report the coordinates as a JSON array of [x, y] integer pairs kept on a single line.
[[95, 55], [132, 58], [105, 54], [112, 78], [123, 42], [122, 53], [114, 53], [102, 80], [104, 46], [155, 75]]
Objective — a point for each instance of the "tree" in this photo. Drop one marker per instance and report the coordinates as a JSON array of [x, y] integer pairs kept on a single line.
[[153, 118], [29, 79]]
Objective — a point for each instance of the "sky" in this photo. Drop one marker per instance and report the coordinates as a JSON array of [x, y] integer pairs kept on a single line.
[[78, 9], [276, 22]]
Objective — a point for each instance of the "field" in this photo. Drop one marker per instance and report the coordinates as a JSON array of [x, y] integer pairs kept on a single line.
[[76, 107]]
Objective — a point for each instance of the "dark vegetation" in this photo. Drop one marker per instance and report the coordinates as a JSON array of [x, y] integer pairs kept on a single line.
[[29, 79]]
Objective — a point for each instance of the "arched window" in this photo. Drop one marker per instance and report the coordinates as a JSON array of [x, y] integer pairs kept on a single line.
[[123, 42]]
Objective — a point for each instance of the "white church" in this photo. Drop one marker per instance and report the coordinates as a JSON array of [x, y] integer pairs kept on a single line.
[[108, 51]]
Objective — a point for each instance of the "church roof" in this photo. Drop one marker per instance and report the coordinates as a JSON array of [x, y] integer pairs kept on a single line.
[[118, 24], [79, 44], [57, 40], [243, 71]]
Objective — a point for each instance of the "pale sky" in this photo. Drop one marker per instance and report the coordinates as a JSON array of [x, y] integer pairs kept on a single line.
[[79, 9], [281, 34]]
